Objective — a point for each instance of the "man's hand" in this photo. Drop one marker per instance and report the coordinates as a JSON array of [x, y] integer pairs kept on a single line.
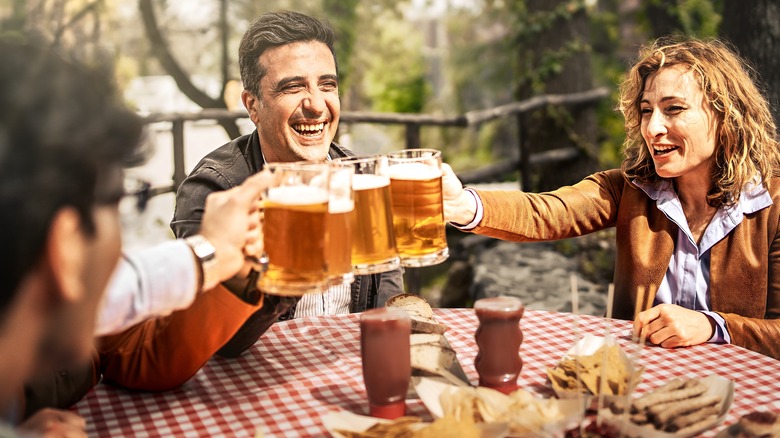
[[459, 205], [231, 222], [671, 326], [53, 423]]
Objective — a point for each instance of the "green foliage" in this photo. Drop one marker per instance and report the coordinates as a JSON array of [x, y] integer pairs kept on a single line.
[[608, 70], [342, 15], [690, 17], [394, 78]]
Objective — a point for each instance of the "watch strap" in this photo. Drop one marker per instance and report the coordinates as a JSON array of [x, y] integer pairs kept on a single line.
[[206, 254]]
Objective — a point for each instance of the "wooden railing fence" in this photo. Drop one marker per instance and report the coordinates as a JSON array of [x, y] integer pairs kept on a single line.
[[413, 123]]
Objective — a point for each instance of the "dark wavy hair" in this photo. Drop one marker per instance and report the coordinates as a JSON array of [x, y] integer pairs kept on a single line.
[[747, 136], [277, 29], [62, 128]]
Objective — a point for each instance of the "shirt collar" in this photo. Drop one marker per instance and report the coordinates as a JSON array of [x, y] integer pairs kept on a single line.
[[754, 196]]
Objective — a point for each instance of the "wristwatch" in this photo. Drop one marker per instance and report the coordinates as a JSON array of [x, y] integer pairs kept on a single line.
[[206, 254]]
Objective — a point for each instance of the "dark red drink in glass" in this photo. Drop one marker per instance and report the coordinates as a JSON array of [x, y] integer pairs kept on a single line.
[[384, 346], [498, 337]]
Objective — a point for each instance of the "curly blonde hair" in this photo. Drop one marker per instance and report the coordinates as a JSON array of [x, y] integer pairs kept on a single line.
[[747, 137]]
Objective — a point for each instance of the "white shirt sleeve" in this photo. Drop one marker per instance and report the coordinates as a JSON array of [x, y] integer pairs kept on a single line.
[[477, 215], [151, 282]]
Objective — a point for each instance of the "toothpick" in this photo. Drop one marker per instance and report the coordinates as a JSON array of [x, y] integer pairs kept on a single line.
[[575, 310], [603, 377], [642, 303]]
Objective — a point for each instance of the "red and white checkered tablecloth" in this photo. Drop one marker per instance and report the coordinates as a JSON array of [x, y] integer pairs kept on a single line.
[[302, 369]]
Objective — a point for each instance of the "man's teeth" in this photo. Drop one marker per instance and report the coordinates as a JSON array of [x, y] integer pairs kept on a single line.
[[309, 129]]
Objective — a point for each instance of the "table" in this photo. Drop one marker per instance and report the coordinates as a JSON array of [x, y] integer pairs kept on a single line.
[[303, 369]]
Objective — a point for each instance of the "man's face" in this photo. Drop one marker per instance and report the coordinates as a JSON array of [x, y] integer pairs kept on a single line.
[[297, 114]]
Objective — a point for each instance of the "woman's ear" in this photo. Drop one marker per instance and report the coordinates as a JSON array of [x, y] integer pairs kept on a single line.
[[66, 252]]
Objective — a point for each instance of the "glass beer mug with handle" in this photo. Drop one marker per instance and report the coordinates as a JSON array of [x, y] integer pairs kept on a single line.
[[373, 241], [418, 211], [295, 212], [339, 235]]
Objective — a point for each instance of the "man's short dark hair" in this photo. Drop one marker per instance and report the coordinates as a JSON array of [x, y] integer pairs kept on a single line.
[[62, 128], [273, 30]]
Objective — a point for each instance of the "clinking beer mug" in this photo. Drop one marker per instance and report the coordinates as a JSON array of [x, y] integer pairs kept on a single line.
[[295, 212], [339, 236], [373, 241], [418, 212]]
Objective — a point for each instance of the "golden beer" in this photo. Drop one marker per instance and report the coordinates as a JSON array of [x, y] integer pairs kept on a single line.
[[418, 212], [294, 233], [339, 242], [373, 241]]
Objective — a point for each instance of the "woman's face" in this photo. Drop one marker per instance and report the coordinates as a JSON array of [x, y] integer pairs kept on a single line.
[[678, 124]]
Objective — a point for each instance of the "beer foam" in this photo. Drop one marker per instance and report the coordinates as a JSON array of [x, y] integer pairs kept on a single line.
[[414, 171], [297, 195], [368, 181], [341, 206]]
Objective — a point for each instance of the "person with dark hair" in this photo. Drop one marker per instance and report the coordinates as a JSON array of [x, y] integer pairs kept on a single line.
[[696, 204], [64, 140], [288, 67]]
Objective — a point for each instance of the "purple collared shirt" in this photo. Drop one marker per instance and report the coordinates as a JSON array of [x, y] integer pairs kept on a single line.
[[687, 280]]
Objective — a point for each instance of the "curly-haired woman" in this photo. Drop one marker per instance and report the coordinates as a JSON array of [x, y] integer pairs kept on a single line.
[[694, 202]]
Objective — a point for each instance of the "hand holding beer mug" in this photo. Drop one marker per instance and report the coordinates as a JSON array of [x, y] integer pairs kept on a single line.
[[373, 241], [294, 229], [418, 213]]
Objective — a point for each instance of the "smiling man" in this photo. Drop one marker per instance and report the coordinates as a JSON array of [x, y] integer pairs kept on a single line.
[[291, 91]]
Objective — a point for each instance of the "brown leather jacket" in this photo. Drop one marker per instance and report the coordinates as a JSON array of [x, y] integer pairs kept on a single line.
[[744, 266]]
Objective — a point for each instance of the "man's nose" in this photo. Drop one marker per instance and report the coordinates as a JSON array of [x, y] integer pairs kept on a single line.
[[314, 102]]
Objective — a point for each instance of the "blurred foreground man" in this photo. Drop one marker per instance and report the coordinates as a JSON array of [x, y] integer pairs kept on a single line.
[[63, 140]]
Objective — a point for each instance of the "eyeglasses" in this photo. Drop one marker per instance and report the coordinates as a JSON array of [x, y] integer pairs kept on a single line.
[[135, 196]]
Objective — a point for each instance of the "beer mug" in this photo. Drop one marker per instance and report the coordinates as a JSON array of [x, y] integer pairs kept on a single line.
[[295, 217], [339, 235], [418, 211], [373, 241]]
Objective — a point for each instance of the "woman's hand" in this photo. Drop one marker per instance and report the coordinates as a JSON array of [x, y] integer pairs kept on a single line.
[[459, 205], [670, 326]]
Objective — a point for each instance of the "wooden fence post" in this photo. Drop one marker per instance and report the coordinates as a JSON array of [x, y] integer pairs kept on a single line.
[[525, 154], [177, 130], [412, 135]]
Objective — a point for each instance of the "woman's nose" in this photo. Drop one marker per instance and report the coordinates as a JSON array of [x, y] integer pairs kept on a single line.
[[656, 125]]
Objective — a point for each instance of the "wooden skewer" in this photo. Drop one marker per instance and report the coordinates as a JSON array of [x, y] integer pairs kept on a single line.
[[575, 302], [642, 304], [603, 377]]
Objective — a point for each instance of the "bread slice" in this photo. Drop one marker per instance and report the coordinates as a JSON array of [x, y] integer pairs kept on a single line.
[[432, 358], [413, 304], [431, 354], [429, 338], [419, 311]]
